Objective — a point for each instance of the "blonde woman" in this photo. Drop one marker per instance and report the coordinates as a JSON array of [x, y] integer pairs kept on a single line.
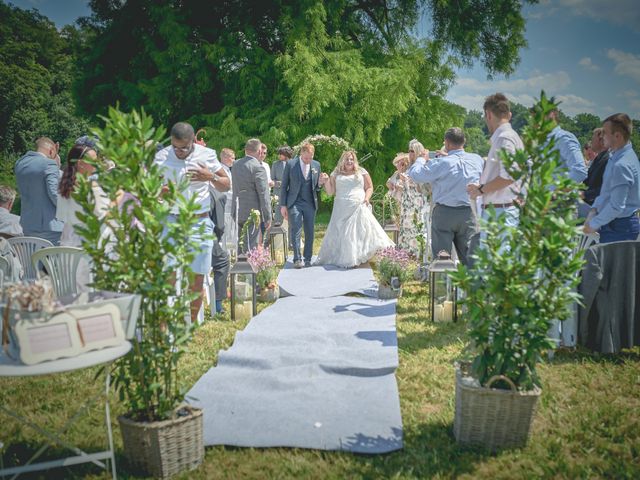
[[353, 235]]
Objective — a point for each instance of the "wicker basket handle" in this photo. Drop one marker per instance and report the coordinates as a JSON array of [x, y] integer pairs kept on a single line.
[[495, 378]]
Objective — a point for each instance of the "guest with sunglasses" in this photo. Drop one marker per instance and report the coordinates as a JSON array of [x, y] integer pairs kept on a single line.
[[197, 166]]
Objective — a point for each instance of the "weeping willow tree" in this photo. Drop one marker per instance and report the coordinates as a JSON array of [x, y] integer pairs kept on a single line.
[[285, 69]]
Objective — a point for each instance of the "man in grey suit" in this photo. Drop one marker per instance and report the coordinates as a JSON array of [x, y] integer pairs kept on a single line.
[[250, 192], [301, 182], [38, 175]]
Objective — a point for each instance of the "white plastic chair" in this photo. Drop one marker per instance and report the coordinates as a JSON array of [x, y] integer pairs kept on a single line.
[[25, 247], [5, 270], [61, 264]]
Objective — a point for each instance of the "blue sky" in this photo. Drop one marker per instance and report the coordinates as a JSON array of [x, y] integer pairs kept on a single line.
[[584, 52]]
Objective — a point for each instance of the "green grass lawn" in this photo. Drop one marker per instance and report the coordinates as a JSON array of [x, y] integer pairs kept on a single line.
[[587, 425]]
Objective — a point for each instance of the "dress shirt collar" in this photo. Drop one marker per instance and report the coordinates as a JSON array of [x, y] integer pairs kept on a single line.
[[457, 150], [500, 130], [3, 210], [616, 154], [556, 130], [251, 156]]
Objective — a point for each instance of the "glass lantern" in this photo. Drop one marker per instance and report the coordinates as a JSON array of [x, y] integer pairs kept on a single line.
[[243, 290], [278, 244], [443, 295]]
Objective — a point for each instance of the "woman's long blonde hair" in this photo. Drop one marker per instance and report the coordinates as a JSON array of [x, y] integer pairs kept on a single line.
[[339, 170]]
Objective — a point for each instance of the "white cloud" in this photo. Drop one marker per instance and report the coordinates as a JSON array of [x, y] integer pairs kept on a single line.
[[628, 94], [574, 104], [470, 92], [626, 64], [550, 82], [588, 64], [620, 12]]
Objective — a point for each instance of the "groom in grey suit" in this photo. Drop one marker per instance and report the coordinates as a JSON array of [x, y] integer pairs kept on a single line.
[[301, 182], [250, 192]]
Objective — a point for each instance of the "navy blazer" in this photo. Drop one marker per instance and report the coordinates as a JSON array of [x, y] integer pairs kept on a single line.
[[292, 181]]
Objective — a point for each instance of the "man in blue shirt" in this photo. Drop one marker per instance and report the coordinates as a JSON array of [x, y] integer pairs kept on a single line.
[[452, 221], [570, 152], [614, 210]]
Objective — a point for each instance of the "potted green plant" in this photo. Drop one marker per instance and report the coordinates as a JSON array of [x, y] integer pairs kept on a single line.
[[135, 248], [266, 273], [394, 267], [523, 278]]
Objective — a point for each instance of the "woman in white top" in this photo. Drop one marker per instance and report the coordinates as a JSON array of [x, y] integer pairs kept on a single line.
[[67, 207], [353, 235]]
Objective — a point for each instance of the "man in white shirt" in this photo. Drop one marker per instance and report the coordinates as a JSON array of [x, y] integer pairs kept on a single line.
[[9, 223], [497, 188], [262, 155], [186, 160]]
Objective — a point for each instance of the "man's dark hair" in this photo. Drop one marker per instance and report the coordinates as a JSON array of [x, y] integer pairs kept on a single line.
[[620, 122], [182, 131], [455, 136], [286, 151], [498, 104]]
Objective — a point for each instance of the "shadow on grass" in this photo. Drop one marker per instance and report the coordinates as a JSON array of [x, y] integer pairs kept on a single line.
[[17, 454], [438, 335], [582, 354], [429, 450]]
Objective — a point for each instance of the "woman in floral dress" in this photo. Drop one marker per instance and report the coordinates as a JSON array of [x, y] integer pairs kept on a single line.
[[412, 201]]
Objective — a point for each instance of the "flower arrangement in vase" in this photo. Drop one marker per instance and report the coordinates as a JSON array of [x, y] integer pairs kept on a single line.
[[266, 273], [394, 268]]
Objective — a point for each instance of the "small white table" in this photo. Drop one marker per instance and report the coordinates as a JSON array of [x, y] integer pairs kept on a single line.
[[13, 368]]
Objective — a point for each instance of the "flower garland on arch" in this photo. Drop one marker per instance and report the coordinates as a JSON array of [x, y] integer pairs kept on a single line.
[[332, 140]]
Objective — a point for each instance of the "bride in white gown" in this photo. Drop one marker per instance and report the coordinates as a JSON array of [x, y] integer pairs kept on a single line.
[[353, 235]]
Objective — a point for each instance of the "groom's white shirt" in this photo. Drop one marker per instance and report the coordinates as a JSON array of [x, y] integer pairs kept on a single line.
[[305, 168]]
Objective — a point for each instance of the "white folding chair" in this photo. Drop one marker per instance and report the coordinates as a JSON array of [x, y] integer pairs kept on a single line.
[[5, 270], [25, 247], [61, 264]]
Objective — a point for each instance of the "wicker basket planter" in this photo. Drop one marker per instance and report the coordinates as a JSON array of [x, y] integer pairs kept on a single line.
[[490, 417], [269, 294], [164, 448], [385, 292]]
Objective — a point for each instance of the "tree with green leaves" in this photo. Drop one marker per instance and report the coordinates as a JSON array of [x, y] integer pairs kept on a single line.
[[36, 74], [284, 69]]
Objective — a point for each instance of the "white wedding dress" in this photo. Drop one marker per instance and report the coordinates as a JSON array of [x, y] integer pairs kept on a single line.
[[353, 235]]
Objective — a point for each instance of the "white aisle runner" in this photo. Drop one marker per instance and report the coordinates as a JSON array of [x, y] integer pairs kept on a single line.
[[310, 373]]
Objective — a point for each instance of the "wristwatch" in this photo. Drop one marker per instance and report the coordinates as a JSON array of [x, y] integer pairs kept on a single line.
[[480, 188]]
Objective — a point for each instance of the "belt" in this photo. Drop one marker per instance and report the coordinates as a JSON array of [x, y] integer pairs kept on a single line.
[[202, 215], [497, 205], [449, 206]]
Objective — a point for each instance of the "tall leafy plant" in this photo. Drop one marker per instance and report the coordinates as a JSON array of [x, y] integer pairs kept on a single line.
[[135, 248], [524, 277]]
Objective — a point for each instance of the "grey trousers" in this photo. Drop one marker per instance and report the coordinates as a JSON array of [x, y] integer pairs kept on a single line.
[[452, 225], [53, 237]]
